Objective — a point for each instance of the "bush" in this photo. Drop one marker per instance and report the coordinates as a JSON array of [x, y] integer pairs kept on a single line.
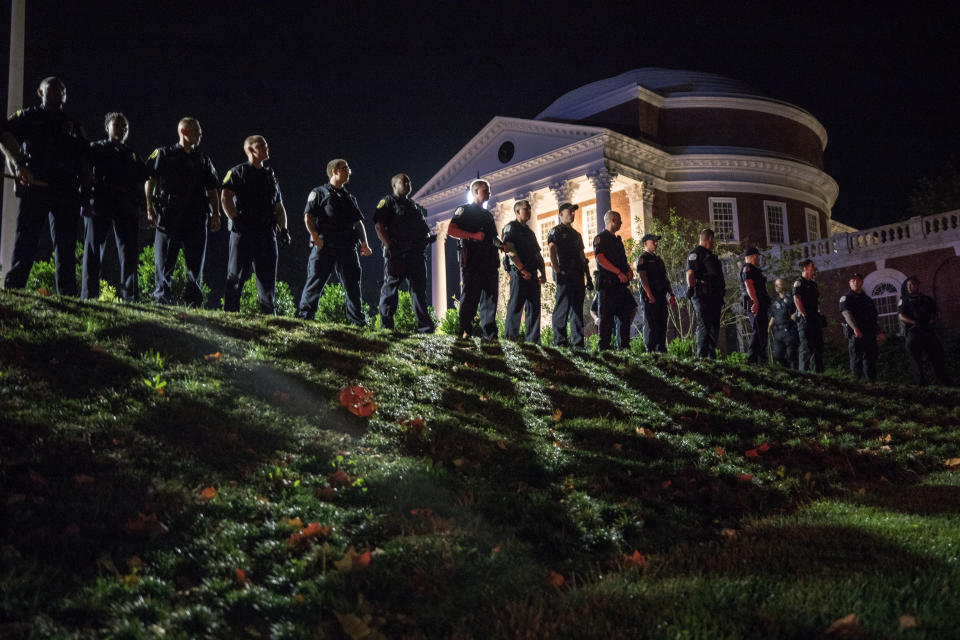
[[451, 322], [146, 280], [637, 346], [404, 319], [283, 299], [43, 274], [332, 306], [682, 347], [734, 357]]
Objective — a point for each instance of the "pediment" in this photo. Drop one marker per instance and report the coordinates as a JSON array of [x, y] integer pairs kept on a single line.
[[502, 143]]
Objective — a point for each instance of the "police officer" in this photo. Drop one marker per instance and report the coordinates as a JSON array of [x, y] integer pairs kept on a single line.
[[401, 225], [118, 177], [860, 320], [52, 167], [527, 272], [182, 201], [706, 287], [806, 297], [474, 226], [783, 327], [335, 223], [918, 313], [616, 301], [572, 275], [655, 291], [253, 203], [756, 304]]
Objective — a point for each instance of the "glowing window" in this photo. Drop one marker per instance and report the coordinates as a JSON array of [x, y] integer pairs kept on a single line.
[[775, 214], [885, 297], [723, 219]]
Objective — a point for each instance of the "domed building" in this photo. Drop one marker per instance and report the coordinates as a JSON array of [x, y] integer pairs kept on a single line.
[[748, 165]]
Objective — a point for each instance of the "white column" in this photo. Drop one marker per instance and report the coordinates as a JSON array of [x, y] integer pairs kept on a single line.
[[439, 275], [14, 102], [563, 190], [637, 221], [648, 196], [601, 180], [535, 199]]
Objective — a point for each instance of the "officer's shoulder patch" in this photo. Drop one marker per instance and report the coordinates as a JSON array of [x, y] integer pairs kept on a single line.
[[692, 256], [458, 212], [900, 302], [312, 196], [843, 299], [155, 153], [382, 203], [797, 283], [226, 178]]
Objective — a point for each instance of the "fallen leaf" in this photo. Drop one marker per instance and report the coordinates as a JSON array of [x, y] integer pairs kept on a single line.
[[557, 415], [295, 523], [646, 433], [764, 447], [635, 560], [312, 530], [134, 563], [617, 446], [209, 493], [555, 579], [241, 577], [666, 484], [339, 477], [729, 533], [720, 451], [426, 513], [501, 445], [746, 477], [484, 398], [358, 628], [358, 400], [415, 426], [845, 627], [352, 560], [752, 454], [952, 463], [106, 562], [907, 621], [727, 390], [211, 356], [496, 549]]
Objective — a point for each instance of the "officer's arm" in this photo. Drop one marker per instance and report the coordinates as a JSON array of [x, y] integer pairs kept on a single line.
[[554, 256], [381, 230], [214, 203], [280, 214], [362, 237], [609, 266], [229, 208], [148, 188], [311, 226], [853, 323], [456, 232], [85, 174], [645, 283], [11, 149], [770, 324], [752, 291], [798, 303], [691, 278]]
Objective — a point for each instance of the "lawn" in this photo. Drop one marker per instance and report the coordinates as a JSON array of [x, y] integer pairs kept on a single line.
[[177, 474]]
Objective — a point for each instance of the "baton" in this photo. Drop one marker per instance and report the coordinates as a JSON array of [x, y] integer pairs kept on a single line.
[[35, 183]]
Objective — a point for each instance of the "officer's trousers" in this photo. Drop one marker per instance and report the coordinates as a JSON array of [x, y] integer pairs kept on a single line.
[[345, 263], [655, 324], [524, 300], [616, 309], [569, 306], [759, 323], [863, 356], [412, 268], [192, 237], [96, 230], [63, 220], [480, 291], [784, 343], [708, 309], [920, 342], [811, 343], [256, 252]]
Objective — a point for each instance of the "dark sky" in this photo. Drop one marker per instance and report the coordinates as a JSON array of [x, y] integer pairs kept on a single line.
[[402, 87]]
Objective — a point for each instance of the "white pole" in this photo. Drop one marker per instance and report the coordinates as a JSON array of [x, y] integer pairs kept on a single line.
[[14, 102]]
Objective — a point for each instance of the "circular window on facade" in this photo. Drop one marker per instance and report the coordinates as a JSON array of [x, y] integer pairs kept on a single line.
[[506, 152]]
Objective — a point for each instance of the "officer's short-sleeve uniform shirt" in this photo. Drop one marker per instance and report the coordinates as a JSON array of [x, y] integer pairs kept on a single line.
[[478, 255], [257, 192], [184, 177], [754, 274], [610, 246], [656, 270], [405, 222], [706, 268], [809, 294], [862, 308], [569, 244], [921, 308], [525, 243], [118, 177], [335, 211], [781, 311], [52, 144]]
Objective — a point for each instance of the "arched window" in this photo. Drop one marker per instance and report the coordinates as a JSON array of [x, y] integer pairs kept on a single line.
[[885, 296]]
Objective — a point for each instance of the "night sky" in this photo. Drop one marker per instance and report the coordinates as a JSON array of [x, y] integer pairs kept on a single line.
[[402, 87]]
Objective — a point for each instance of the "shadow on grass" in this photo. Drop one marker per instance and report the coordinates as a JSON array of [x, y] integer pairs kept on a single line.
[[173, 345]]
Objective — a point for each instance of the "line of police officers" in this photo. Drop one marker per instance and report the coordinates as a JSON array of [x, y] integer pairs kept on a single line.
[[60, 175]]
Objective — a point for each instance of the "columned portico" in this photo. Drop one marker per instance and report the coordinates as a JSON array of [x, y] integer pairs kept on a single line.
[[439, 266], [601, 179]]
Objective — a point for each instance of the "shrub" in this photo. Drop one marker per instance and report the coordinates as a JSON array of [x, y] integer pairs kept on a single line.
[[146, 276], [332, 306], [283, 300], [404, 319], [734, 357], [43, 274], [637, 346], [682, 347]]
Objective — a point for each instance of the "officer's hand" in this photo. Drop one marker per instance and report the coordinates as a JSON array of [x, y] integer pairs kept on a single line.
[[652, 298], [317, 240], [508, 247], [543, 278], [754, 308], [365, 250], [431, 238], [629, 273], [857, 333], [151, 216], [24, 175], [498, 243], [623, 278], [283, 237], [526, 275], [215, 222]]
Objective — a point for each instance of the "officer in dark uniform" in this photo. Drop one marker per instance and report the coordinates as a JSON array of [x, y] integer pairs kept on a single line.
[[756, 304], [118, 177], [572, 275], [401, 225], [783, 327], [806, 297], [258, 221], [476, 229], [655, 292], [918, 313], [524, 264], [53, 169], [182, 201], [616, 301], [335, 223], [860, 327], [706, 287]]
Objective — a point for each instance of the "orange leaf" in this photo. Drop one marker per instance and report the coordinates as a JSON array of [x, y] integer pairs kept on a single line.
[[361, 560], [415, 426], [496, 549], [845, 627], [211, 356], [339, 477], [241, 576], [364, 410], [752, 453], [422, 512], [907, 621], [557, 415], [209, 493], [952, 463], [746, 477], [764, 447], [555, 579], [635, 560], [666, 484], [312, 530], [358, 400], [501, 445], [727, 391], [720, 451], [646, 433], [293, 522]]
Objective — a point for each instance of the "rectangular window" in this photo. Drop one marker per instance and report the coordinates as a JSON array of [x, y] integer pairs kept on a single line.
[[813, 225], [544, 228], [723, 219], [775, 215], [589, 227]]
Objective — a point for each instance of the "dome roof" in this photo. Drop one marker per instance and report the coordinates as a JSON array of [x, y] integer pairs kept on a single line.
[[669, 83]]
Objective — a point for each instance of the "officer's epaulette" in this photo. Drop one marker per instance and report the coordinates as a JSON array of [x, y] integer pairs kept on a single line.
[[384, 201]]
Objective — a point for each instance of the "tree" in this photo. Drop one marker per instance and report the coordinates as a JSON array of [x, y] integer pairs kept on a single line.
[[936, 194]]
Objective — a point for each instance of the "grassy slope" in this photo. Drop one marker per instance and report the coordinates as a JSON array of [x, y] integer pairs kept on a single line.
[[510, 513]]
